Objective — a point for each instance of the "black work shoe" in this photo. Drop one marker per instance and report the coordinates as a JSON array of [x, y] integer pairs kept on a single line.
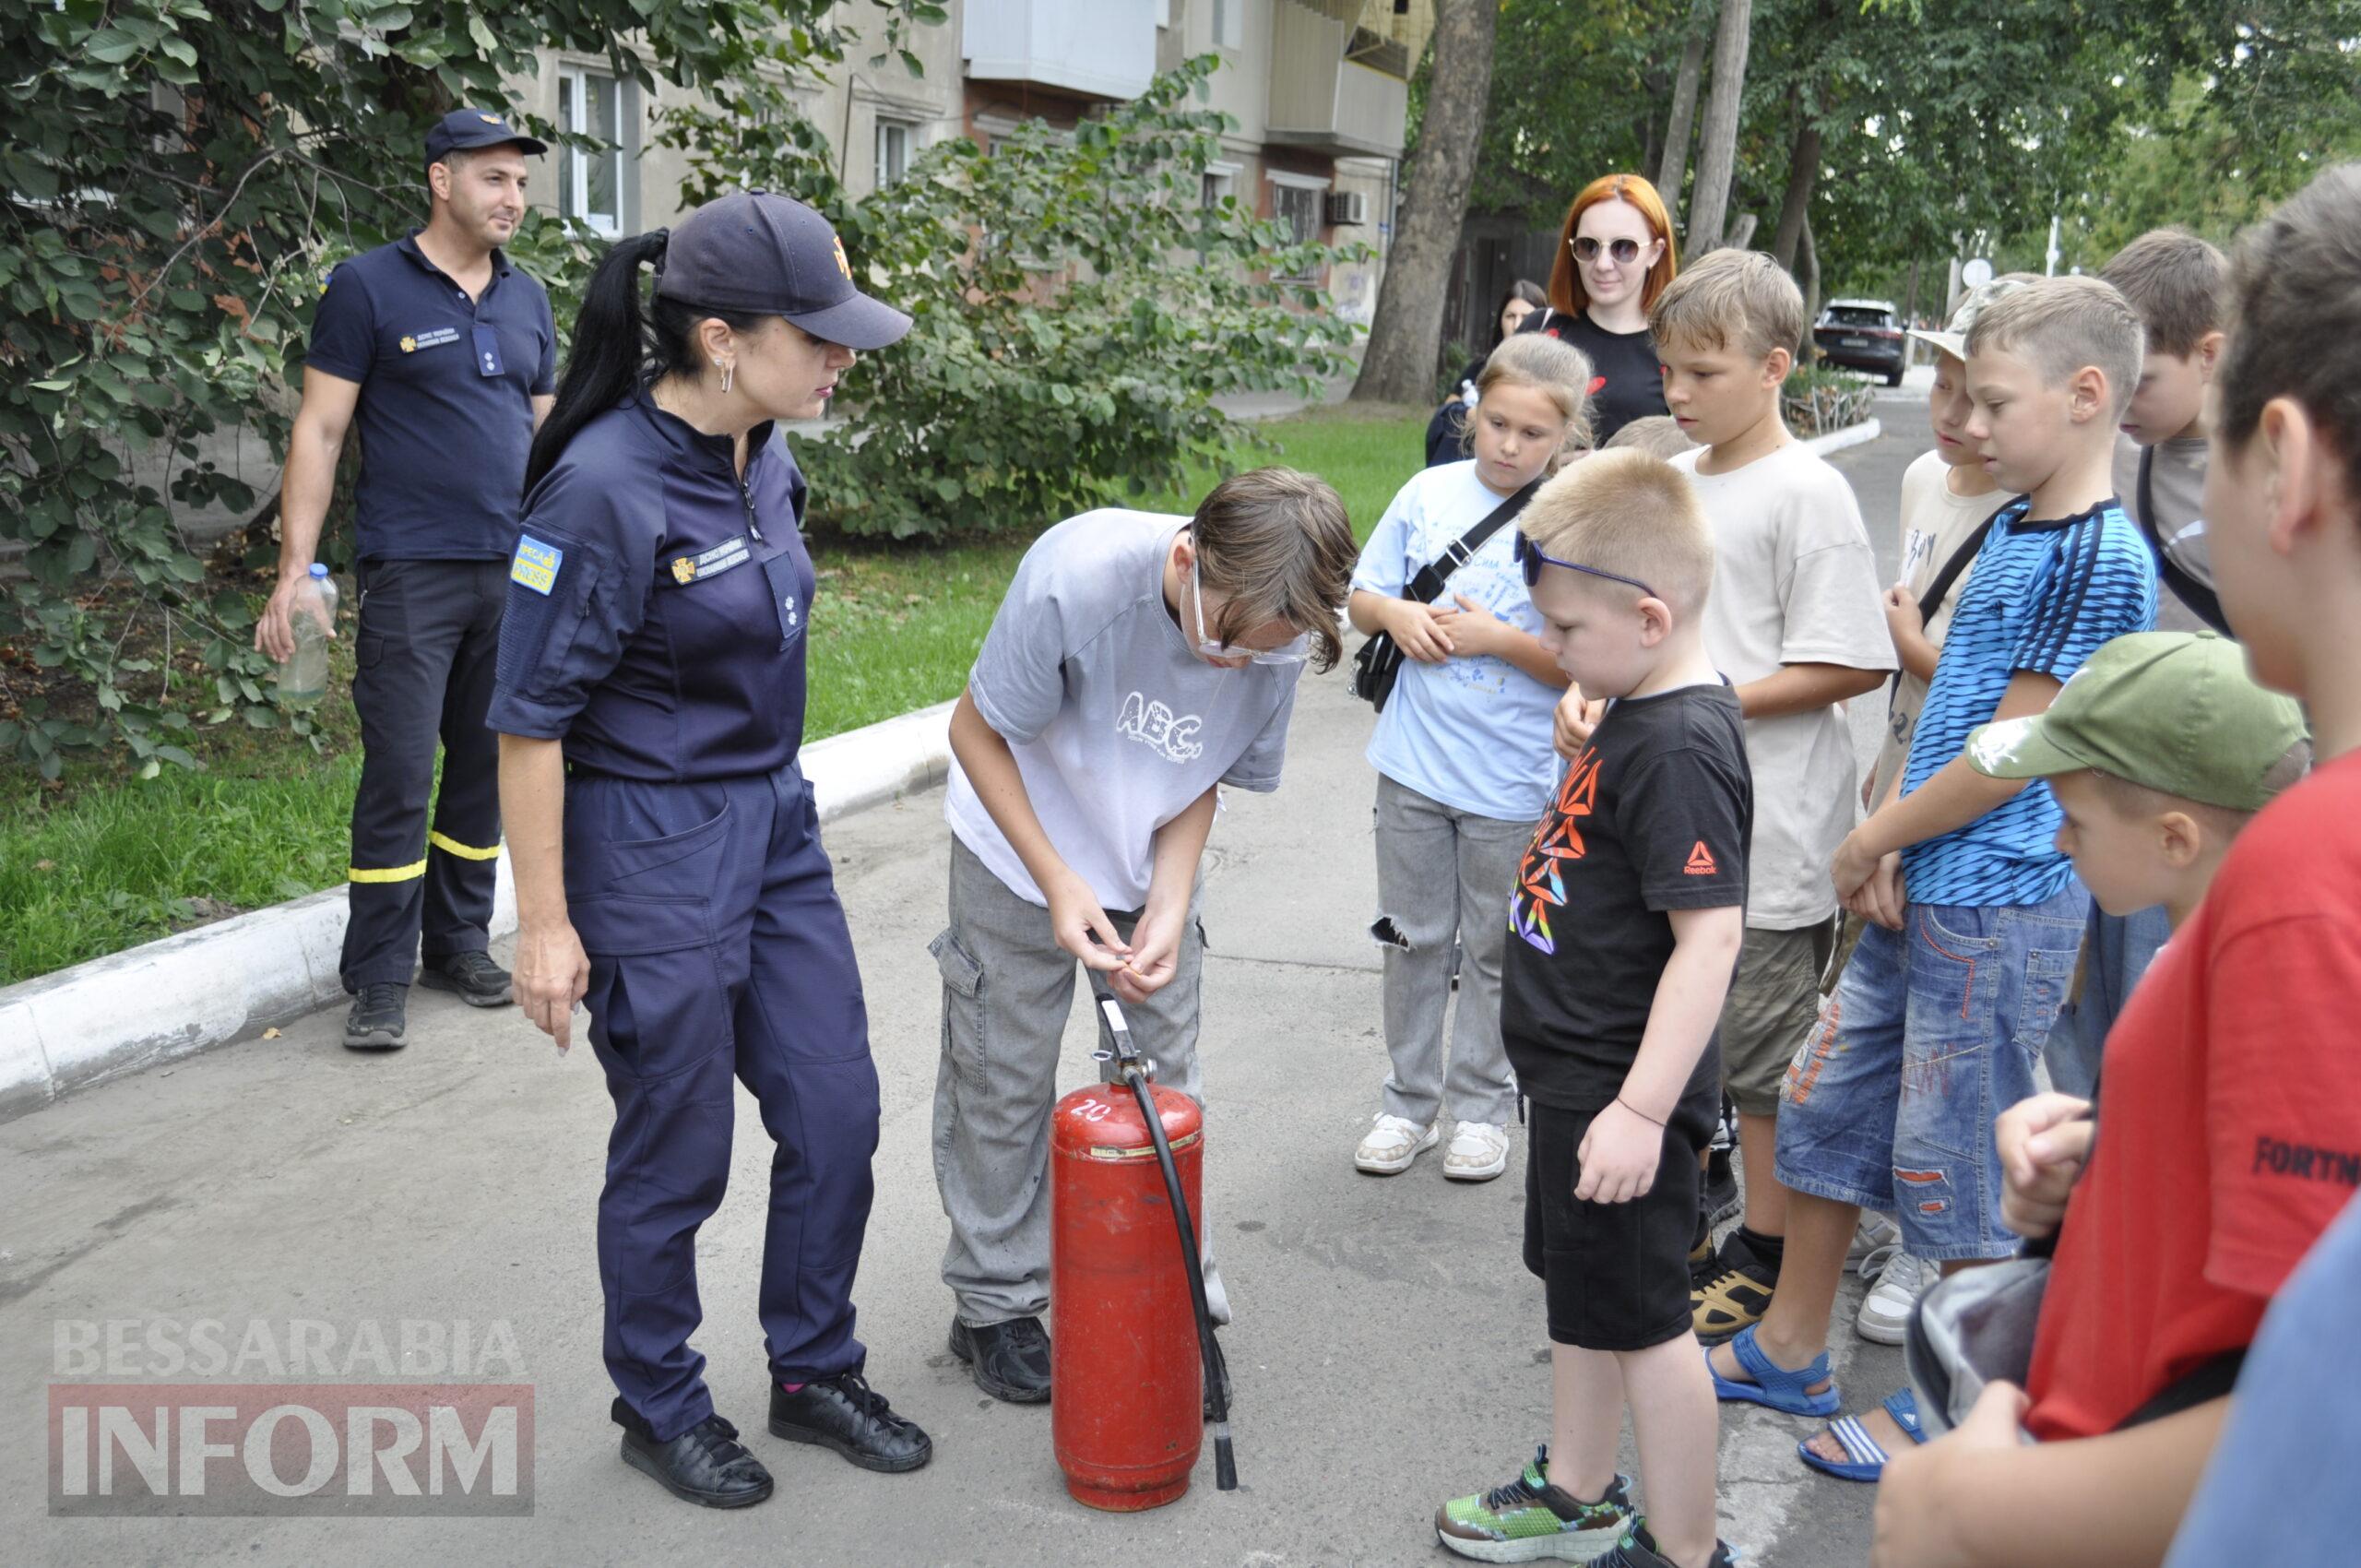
[[473, 978], [705, 1465], [843, 1413], [1011, 1360], [379, 1018]]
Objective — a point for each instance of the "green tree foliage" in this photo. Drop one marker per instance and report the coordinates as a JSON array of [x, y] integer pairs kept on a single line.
[[1076, 310]]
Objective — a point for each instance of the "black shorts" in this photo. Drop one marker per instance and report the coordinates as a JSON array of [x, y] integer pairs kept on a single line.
[[1617, 1274]]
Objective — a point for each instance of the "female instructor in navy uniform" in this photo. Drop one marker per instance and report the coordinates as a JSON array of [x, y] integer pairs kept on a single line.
[[669, 870]]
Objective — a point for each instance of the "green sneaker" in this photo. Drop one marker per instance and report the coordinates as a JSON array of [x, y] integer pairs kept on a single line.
[[1638, 1550], [1529, 1519]]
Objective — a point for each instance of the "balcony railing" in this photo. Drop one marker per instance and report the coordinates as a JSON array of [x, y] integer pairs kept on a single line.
[[1098, 48], [1323, 97]]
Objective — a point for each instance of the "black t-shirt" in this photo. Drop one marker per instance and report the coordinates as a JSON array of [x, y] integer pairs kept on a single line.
[[1656, 814], [1626, 376]]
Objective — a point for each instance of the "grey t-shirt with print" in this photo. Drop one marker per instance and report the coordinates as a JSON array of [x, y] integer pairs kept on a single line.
[[1117, 726], [2177, 480]]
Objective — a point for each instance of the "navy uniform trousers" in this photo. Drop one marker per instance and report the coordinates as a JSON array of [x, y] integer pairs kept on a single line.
[[423, 657], [718, 953]]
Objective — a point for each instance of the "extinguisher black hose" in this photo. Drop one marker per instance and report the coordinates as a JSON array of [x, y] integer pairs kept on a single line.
[[1217, 1389]]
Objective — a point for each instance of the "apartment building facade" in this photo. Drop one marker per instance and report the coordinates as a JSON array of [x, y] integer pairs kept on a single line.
[[1319, 90]]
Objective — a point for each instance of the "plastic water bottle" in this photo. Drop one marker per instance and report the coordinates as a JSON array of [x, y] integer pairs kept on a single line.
[[304, 679]]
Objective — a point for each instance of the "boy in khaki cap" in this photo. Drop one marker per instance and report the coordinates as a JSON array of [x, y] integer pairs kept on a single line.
[[2160, 751]]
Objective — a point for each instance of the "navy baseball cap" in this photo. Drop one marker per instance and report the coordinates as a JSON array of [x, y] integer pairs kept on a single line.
[[770, 255], [464, 128]]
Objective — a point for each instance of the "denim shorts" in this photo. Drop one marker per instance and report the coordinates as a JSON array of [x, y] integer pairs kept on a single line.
[[1933, 1031]]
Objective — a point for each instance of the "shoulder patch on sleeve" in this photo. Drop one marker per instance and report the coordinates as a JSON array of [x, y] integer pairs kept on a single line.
[[536, 565]]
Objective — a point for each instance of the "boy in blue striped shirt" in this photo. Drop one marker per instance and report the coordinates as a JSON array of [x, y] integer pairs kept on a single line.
[[1975, 917]]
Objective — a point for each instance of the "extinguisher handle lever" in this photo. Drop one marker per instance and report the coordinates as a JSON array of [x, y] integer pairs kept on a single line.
[[1115, 1032]]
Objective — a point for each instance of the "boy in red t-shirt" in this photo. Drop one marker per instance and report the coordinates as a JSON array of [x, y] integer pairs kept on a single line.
[[2231, 1097]]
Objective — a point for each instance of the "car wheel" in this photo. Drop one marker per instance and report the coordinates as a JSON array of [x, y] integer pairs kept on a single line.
[[1894, 376]]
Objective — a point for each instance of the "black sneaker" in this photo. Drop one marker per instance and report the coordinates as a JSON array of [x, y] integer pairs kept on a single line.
[[1011, 1360], [843, 1413], [473, 978], [1737, 1293], [1638, 1550], [706, 1465], [380, 1017], [1721, 1194]]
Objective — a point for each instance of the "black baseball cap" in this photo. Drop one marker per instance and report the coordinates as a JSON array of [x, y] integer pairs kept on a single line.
[[770, 255], [464, 128]]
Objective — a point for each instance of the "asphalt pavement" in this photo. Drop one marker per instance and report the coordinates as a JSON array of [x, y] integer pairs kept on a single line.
[[1388, 1351]]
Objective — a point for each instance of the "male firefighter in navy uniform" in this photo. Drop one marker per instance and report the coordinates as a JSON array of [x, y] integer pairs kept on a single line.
[[448, 357]]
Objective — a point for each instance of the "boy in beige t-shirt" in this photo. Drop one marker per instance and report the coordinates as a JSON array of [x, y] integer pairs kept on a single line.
[[1794, 623]]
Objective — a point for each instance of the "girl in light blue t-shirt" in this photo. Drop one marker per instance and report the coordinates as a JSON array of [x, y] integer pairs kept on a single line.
[[1464, 760]]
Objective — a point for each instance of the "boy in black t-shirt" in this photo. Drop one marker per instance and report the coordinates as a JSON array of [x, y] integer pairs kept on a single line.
[[1629, 910]]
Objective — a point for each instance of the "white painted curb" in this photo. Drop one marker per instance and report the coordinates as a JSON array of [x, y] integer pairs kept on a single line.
[[1851, 435], [230, 981]]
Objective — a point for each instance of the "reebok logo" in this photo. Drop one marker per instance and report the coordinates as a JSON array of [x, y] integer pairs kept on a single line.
[[1700, 862]]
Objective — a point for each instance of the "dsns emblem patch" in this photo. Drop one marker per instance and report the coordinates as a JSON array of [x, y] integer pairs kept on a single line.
[[684, 570]]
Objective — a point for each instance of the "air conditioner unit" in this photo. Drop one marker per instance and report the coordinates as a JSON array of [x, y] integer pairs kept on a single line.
[[1347, 207]]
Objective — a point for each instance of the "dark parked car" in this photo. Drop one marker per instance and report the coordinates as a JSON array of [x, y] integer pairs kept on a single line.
[[1862, 334]]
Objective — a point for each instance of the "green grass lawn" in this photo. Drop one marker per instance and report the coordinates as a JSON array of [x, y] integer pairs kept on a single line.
[[110, 861]]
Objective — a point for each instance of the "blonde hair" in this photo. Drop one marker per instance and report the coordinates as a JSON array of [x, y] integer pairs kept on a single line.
[[1277, 545], [1560, 372], [2063, 324], [1741, 299], [1632, 514], [1659, 435]]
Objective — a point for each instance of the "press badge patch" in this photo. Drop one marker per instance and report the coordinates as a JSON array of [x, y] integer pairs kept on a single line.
[[536, 565]]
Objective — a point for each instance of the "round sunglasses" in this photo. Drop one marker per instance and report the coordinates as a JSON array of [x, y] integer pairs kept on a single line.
[[1625, 251]]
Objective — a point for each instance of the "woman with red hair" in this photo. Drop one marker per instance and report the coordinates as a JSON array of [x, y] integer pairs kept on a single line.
[[1615, 255]]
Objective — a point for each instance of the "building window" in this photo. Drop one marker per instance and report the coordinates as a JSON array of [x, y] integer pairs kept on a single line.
[[1220, 185], [590, 181], [1298, 208], [893, 151], [1229, 24]]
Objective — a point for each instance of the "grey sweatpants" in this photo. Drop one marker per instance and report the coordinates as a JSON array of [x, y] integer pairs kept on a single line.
[[1007, 988], [1442, 872]]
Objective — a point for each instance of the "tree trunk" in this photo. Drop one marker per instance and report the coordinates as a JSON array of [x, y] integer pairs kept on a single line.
[[1808, 276], [1803, 169], [1673, 167], [1742, 232], [1405, 333], [1718, 146]]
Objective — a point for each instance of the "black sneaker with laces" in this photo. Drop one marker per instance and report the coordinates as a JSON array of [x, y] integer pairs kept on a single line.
[[473, 978], [843, 1413], [1732, 1292], [705, 1465], [1009, 1361], [379, 1018], [1638, 1550]]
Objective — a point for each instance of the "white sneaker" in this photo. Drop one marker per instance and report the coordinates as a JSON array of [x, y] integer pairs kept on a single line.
[[1392, 1144], [1875, 1239], [1885, 1314], [1478, 1151]]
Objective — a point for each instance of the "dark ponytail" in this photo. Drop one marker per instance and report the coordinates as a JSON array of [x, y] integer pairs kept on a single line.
[[617, 345]]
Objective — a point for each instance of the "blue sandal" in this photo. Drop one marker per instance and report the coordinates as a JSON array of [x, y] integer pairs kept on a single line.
[[1863, 1456], [1773, 1385]]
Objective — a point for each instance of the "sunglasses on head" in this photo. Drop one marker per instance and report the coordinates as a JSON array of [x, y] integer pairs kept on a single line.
[[1625, 252], [1530, 559]]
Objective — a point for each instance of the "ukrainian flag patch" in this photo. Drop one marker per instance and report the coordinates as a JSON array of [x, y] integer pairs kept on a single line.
[[536, 565]]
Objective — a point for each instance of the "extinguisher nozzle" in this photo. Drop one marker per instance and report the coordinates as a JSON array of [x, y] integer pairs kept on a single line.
[[1225, 1462]]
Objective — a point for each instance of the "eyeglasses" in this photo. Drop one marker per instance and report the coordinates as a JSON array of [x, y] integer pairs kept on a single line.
[[1624, 251], [1295, 652], [1530, 559]]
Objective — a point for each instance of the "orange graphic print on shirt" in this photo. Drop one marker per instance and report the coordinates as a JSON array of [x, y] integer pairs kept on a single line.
[[1700, 862], [1540, 881]]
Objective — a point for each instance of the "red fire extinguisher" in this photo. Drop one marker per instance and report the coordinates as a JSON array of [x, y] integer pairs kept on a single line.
[[1127, 1364]]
